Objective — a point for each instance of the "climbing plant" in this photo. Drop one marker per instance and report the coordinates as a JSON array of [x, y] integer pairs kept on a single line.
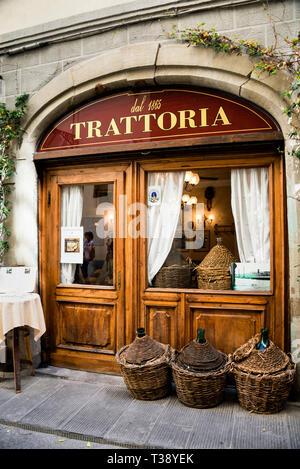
[[270, 60], [11, 132]]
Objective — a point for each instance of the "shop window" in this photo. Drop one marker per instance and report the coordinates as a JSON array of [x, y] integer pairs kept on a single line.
[[87, 232], [209, 229]]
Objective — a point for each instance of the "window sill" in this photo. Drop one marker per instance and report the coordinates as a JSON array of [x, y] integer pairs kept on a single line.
[[210, 292], [85, 286]]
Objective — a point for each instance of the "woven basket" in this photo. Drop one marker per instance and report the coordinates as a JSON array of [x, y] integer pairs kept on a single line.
[[148, 381], [199, 389], [263, 378], [214, 271], [173, 276], [264, 393]]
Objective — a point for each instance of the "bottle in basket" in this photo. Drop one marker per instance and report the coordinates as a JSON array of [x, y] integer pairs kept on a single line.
[[200, 372], [264, 340], [201, 336], [144, 365]]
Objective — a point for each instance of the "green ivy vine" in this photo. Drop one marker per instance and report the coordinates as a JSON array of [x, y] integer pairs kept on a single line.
[[10, 131], [271, 60]]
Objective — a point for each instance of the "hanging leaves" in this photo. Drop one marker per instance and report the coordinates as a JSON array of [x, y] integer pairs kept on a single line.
[[272, 60], [10, 131]]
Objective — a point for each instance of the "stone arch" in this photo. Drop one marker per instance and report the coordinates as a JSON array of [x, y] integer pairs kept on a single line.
[[149, 65], [143, 65]]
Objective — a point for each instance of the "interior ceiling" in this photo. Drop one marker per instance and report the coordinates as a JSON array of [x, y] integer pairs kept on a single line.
[[222, 173]]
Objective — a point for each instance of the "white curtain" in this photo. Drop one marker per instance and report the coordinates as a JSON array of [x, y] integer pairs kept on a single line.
[[71, 215], [251, 212], [162, 218]]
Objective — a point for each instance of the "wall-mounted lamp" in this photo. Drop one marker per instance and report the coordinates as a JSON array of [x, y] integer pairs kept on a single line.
[[211, 218], [193, 200], [191, 178], [187, 200], [194, 180], [188, 176]]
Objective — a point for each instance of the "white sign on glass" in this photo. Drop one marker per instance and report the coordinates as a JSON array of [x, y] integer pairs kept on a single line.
[[154, 195], [71, 245]]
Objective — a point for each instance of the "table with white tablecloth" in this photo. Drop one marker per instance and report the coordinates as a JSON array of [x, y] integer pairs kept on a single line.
[[17, 310]]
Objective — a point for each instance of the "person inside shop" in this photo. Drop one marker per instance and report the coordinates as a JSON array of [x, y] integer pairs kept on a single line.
[[88, 252]]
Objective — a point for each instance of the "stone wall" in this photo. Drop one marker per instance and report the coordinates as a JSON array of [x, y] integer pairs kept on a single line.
[[30, 59]]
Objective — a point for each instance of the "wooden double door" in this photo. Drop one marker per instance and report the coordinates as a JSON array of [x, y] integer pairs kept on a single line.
[[88, 319]]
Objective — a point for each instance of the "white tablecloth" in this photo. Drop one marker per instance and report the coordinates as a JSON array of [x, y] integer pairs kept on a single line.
[[18, 310]]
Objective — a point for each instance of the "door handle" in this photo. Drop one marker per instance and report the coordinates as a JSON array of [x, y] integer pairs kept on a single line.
[[119, 280]]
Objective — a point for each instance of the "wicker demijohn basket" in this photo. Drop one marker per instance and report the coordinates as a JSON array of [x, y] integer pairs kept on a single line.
[[213, 273], [199, 372], [145, 368], [263, 377], [173, 276], [175, 273]]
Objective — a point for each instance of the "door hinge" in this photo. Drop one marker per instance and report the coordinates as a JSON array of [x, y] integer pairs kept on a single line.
[[119, 280], [49, 198]]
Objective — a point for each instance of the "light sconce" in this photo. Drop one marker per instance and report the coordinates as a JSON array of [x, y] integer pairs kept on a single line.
[[193, 200], [211, 218], [191, 178], [187, 200], [194, 180], [188, 176]]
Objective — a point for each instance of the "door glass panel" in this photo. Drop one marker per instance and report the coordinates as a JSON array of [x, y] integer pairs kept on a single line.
[[209, 229], [87, 234]]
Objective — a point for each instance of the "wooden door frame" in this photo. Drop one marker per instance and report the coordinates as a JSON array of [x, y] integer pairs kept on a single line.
[[278, 325], [134, 166], [52, 291]]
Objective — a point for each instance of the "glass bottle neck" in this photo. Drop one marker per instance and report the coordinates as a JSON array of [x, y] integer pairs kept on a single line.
[[264, 340], [201, 336]]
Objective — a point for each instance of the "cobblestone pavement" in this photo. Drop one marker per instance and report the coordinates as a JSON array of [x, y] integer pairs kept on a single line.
[[74, 409]]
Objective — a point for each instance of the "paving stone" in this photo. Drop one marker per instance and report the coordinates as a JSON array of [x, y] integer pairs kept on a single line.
[[137, 421], [293, 424], [213, 427], [260, 431], [18, 438], [5, 395], [26, 380], [61, 404], [84, 376], [100, 412], [169, 436], [178, 414], [31, 397]]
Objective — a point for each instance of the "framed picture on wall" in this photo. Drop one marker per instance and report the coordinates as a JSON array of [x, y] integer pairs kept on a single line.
[[250, 276]]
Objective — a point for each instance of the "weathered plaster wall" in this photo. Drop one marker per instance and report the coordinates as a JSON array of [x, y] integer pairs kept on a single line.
[[137, 52], [35, 12]]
